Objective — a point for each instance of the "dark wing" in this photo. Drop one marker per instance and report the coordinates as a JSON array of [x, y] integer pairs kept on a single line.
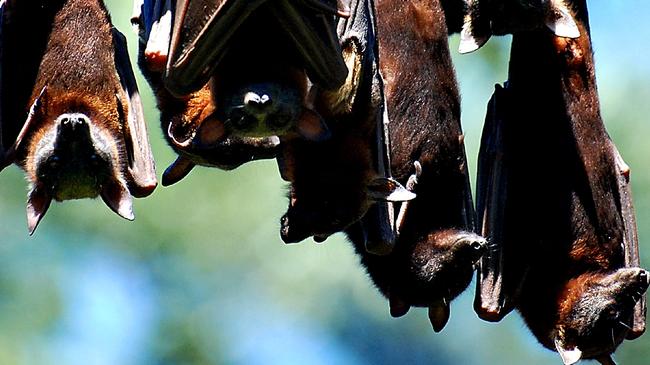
[[201, 34], [491, 192], [630, 239], [142, 174], [24, 30], [199, 41], [378, 224], [314, 36]]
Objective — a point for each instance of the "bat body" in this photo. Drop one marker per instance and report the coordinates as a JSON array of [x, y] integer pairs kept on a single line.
[[83, 135], [554, 198], [254, 72], [486, 17], [182, 116], [435, 249], [259, 58], [334, 182]]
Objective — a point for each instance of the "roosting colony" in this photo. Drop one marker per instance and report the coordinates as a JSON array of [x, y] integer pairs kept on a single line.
[[358, 103]]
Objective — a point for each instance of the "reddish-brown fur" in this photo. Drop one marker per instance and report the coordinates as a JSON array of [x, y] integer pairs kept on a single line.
[[81, 31]]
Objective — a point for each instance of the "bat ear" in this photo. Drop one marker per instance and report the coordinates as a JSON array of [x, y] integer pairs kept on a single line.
[[560, 20], [388, 189], [141, 171], [37, 205], [34, 115], [116, 195], [569, 356], [439, 315], [470, 42], [471, 37], [177, 171], [211, 131], [312, 127]]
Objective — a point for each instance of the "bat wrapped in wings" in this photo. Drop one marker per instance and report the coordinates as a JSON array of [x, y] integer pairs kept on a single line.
[[435, 247], [180, 116], [334, 182], [71, 113], [554, 199], [237, 73]]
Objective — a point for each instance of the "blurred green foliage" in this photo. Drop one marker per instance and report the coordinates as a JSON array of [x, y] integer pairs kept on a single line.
[[202, 277]]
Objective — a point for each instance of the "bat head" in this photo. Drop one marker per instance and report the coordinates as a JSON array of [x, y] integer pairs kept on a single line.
[[596, 311], [433, 272], [506, 17], [274, 108], [446, 257], [194, 133], [70, 149]]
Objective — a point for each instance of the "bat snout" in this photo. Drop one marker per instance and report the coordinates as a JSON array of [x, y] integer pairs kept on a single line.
[[73, 126], [255, 101]]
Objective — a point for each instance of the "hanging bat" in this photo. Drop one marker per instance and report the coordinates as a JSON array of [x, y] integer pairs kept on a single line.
[[554, 198], [192, 124], [435, 249], [334, 182], [182, 117], [259, 59], [486, 17], [82, 133]]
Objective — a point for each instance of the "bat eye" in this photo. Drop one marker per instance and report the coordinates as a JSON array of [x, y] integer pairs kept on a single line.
[[244, 122], [94, 159], [279, 121], [53, 162], [477, 245]]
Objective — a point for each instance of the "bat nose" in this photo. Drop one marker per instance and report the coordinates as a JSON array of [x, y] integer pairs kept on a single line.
[[257, 101], [73, 125]]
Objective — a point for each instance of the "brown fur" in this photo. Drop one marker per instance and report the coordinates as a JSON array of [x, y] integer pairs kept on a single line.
[[81, 30]]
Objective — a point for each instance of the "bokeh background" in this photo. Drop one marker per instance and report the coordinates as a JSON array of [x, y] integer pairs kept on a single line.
[[202, 277]]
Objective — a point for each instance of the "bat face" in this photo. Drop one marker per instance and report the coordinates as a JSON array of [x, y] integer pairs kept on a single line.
[[596, 312], [429, 272], [260, 89], [70, 159], [84, 135]]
